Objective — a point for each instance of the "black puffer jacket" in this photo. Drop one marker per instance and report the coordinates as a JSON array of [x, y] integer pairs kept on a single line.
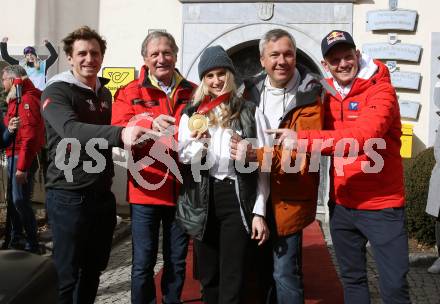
[[192, 203]]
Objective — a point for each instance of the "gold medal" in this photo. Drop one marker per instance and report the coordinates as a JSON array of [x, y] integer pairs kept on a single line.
[[198, 122]]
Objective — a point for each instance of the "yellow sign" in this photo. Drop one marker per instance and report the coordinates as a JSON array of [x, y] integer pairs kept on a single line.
[[407, 137], [118, 77]]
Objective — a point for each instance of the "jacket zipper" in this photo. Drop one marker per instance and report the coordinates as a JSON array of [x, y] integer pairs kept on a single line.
[[207, 208], [170, 111], [342, 110]]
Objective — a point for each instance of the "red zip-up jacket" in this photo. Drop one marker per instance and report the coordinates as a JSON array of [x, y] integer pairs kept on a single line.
[[370, 110], [30, 135], [141, 97]]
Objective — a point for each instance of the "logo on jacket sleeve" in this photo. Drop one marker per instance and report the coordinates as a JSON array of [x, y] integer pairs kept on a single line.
[[91, 105], [104, 105], [46, 103], [353, 106]]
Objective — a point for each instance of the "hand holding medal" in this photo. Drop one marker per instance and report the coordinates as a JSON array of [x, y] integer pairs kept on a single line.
[[198, 135]]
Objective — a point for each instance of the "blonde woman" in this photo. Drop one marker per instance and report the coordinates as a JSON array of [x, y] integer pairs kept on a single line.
[[35, 67], [225, 208]]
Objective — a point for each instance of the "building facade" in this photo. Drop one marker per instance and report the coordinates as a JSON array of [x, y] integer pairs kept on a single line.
[[403, 33]]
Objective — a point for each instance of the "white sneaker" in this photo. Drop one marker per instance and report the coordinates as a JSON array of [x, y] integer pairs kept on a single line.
[[435, 267]]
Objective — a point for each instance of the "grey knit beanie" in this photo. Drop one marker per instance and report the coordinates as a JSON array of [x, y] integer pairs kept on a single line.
[[214, 57]]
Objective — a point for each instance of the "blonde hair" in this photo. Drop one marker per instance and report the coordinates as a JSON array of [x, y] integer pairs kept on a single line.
[[229, 111]]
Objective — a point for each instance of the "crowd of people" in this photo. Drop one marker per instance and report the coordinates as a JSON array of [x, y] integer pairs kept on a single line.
[[232, 164]]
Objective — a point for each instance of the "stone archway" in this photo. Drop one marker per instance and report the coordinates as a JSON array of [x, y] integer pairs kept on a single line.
[[246, 58], [247, 36]]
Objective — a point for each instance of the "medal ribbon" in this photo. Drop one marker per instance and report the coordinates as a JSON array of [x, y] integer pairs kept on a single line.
[[208, 103]]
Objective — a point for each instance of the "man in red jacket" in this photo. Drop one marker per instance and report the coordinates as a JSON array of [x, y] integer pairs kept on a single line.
[[155, 101], [362, 132], [28, 142]]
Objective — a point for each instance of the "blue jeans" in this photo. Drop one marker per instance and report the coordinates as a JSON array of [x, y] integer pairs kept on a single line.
[[23, 215], [145, 223], [82, 228], [287, 258], [351, 229]]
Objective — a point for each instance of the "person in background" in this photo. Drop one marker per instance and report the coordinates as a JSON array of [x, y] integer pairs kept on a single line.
[[226, 209], [36, 68], [6, 137], [8, 132], [367, 193], [433, 203], [81, 208], [28, 142], [155, 100]]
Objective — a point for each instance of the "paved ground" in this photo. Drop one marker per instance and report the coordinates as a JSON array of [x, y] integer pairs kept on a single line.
[[115, 282], [424, 287]]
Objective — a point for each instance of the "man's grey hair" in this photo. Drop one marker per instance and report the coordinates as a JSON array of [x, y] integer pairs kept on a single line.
[[15, 71], [274, 35], [155, 35]]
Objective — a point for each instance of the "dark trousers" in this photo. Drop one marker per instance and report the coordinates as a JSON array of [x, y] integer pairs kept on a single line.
[[22, 215], [145, 224], [259, 286], [221, 254], [351, 229], [82, 226]]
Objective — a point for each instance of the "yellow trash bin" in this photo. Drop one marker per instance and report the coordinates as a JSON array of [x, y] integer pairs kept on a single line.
[[406, 138]]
